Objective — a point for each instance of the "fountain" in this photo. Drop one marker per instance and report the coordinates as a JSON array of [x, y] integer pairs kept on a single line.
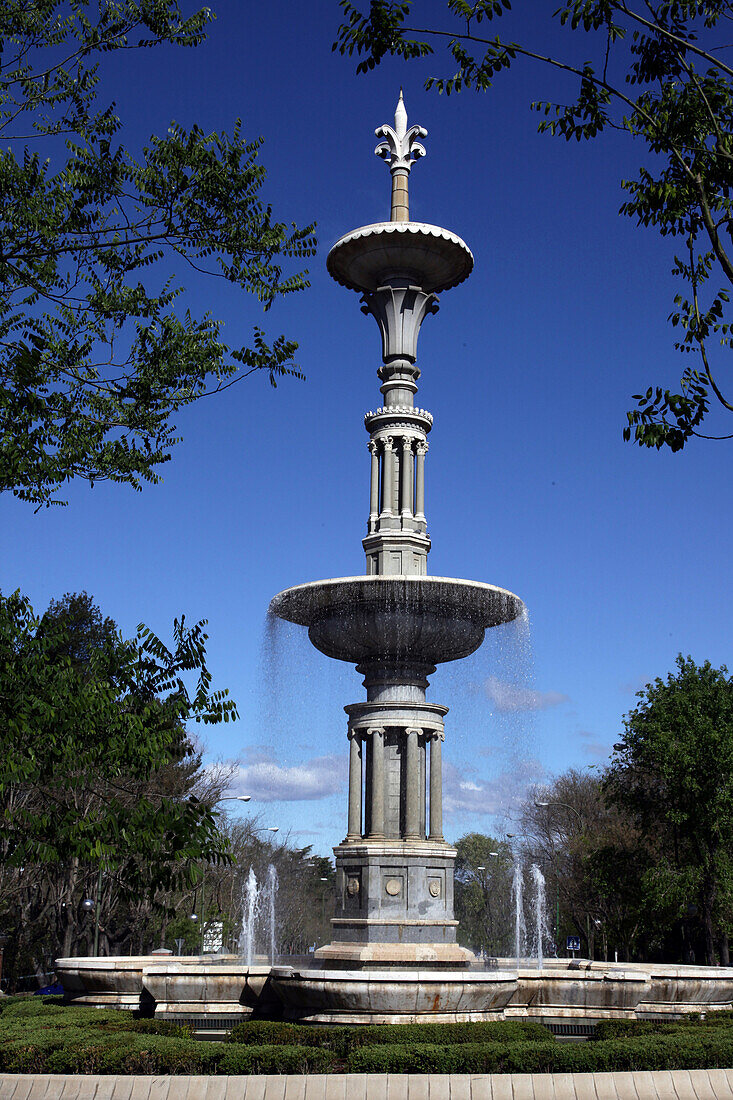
[[393, 955]]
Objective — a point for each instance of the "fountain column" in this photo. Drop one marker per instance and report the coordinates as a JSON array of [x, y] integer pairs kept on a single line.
[[376, 767], [354, 827], [406, 489], [422, 450], [388, 457], [412, 784], [436, 788], [374, 486]]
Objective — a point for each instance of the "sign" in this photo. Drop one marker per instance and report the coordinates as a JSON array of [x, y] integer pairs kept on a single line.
[[213, 937], [572, 943]]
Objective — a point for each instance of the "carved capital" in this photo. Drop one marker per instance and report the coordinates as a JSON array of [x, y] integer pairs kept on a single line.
[[422, 447], [407, 444], [436, 735], [414, 729], [373, 447], [388, 443], [375, 731]]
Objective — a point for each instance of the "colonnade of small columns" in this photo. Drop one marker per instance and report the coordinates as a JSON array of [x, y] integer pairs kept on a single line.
[[397, 456], [413, 789]]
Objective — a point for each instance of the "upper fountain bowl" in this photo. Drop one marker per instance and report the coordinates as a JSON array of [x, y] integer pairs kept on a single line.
[[420, 620], [430, 257]]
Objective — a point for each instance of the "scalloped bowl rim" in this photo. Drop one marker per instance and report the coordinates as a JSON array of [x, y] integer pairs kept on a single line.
[[300, 592]]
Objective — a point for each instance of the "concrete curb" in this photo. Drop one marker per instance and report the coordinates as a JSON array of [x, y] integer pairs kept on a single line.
[[696, 1084]]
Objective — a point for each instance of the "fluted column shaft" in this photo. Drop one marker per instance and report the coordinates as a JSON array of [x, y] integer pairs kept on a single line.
[[420, 481], [387, 477], [412, 784], [354, 831], [374, 486], [376, 747], [406, 471], [436, 788]]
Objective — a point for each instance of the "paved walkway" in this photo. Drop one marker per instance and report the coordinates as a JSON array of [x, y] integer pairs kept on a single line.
[[697, 1084]]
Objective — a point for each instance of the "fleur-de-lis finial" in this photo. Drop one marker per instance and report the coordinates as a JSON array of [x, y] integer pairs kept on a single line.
[[400, 148]]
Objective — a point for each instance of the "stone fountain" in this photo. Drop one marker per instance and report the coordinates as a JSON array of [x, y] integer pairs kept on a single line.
[[393, 956], [394, 880], [394, 869]]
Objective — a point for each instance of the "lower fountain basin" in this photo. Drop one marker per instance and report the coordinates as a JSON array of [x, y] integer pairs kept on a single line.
[[392, 996], [213, 993], [423, 620]]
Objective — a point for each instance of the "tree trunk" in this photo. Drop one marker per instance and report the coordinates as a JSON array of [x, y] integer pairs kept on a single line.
[[724, 951], [707, 923]]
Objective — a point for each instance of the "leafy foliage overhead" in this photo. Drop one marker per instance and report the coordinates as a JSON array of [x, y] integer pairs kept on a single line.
[[81, 741], [97, 351], [662, 73]]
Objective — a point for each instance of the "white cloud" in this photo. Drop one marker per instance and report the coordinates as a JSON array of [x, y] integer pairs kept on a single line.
[[487, 796], [267, 781], [514, 697], [590, 747]]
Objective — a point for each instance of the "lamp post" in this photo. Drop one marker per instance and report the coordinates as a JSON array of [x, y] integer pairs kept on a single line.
[[90, 904]]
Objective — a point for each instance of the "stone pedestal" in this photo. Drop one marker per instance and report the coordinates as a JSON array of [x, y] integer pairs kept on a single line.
[[394, 870]]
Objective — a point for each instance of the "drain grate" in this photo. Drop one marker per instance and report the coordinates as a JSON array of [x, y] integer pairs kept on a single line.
[[572, 1028], [205, 1023]]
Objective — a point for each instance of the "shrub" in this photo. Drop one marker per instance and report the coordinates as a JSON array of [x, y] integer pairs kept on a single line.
[[279, 1033], [656, 1052], [622, 1029], [240, 1058], [345, 1039]]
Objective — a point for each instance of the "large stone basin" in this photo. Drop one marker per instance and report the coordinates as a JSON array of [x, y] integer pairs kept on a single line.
[[424, 620], [392, 996]]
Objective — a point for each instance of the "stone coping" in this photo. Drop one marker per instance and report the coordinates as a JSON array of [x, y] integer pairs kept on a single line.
[[696, 1084], [468, 977]]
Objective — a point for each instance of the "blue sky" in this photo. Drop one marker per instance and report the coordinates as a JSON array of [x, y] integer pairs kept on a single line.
[[620, 555]]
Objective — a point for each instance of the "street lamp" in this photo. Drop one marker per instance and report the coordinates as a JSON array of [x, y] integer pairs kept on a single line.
[[90, 904], [565, 806]]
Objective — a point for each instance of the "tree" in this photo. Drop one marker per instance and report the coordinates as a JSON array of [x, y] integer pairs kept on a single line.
[[79, 739], [592, 857], [96, 351], [659, 72], [673, 771], [483, 894], [102, 790]]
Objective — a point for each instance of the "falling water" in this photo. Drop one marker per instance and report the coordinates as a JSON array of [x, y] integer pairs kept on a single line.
[[520, 930], [250, 906], [272, 884], [541, 928]]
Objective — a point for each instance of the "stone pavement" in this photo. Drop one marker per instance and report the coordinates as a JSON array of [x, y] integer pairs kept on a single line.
[[697, 1084]]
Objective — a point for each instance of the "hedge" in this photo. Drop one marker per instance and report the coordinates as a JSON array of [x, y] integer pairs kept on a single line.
[[701, 1051], [621, 1029], [345, 1039]]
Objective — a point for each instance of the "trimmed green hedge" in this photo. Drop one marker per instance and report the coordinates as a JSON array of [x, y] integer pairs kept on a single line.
[[345, 1039], [623, 1029], [701, 1051], [38, 1037]]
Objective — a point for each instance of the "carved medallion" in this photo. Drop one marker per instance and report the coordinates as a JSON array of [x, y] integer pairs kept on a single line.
[[393, 886], [352, 887], [434, 887]]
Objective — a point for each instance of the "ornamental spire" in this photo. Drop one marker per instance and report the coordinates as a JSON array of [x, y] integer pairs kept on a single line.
[[400, 148]]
